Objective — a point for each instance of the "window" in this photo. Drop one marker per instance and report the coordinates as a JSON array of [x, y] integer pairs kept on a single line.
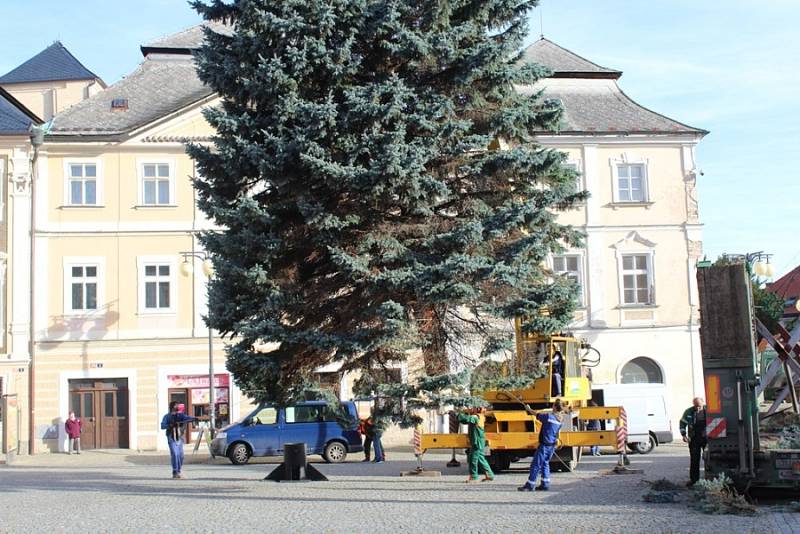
[[641, 370], [569, 266], [157, 285], [157, 189], [83, 285], [266, 416], [82, 184], [317, 413], [631, 183], [637, 279]]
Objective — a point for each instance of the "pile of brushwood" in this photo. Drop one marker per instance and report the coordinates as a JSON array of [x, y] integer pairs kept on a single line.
[[781, 430], [662, 491], [719, 496]]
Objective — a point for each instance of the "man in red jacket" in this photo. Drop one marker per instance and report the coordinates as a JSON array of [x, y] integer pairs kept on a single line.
[[73, 426]]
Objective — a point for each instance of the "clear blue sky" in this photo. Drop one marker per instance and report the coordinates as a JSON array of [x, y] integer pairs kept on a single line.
[[728, 66]]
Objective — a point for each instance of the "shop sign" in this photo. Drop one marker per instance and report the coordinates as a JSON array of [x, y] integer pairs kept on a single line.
[[197, 381]]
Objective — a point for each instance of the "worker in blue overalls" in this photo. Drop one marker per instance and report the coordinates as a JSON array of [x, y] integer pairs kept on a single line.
[[548, 437]]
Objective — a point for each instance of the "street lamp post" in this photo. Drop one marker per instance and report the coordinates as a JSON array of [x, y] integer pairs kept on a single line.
[[187, 268]]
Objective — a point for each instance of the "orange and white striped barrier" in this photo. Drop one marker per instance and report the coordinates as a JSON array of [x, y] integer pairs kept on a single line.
[[418, 440], [622, 430]]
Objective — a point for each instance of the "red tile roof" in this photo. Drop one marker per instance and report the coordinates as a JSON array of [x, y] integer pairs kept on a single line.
[[787, 287]]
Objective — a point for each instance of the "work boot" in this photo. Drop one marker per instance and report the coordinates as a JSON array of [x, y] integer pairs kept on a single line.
[[525, 487], [366, 459], [542, 487]]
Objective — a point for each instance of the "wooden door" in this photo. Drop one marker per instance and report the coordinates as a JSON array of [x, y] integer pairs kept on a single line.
[[113, 408], [83, 404]]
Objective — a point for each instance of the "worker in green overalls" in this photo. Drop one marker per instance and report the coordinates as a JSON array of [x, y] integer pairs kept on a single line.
[[475, 418]]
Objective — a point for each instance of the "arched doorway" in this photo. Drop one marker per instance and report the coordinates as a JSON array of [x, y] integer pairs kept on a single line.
[[641, 370]]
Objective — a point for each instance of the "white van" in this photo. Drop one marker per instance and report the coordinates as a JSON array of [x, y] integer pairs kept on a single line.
[[646, 408]]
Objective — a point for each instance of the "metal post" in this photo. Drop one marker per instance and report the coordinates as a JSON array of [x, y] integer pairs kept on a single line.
[[212, 399], [453, 426]]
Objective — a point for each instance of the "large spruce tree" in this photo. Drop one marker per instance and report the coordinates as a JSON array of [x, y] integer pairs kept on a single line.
[[376, 178]]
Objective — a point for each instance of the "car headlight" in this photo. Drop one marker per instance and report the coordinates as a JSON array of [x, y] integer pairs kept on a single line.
[[221, 435]]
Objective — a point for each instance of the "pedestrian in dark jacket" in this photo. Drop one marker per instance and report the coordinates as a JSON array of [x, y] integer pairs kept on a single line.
[[693, 431], [73, 428], [175, 425]]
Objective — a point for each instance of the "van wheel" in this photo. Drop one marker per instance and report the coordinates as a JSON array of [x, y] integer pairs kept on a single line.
[[644, 447], [239, 454], [335, 452]]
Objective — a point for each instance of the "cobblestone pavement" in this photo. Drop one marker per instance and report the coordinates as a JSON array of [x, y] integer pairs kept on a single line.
[[121, 492]]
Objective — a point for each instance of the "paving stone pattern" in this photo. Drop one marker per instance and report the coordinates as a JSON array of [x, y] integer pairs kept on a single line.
[[121, 492]]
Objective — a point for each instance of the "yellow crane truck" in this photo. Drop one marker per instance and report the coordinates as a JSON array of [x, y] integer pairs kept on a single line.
[[512, 430]]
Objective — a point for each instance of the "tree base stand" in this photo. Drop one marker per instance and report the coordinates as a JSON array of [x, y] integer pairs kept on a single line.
[[284, 474], [295, 467]]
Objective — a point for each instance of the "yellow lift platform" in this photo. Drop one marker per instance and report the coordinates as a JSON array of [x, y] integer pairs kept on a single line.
[[512, 430]]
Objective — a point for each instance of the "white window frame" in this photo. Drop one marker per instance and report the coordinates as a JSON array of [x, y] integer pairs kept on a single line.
[[141, 263], [626, 160], [581, 272], [99, 182], [84, 261], [651, 290], [140, 164]]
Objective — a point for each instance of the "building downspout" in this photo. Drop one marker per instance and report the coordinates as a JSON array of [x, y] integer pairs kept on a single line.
[[37, 139]]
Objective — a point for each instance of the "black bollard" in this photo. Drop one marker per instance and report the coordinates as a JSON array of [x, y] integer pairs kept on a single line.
[[295, 466]]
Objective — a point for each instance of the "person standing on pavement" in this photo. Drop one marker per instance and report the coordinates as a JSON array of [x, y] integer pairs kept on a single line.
[[476, 459], [175, 425], [368, 430], [558, 374], [548, 438], [367, 433], [693, 431], [377, 432], [73, 428], [594, 424]]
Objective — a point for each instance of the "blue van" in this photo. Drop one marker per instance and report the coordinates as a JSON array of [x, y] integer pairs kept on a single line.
[[264, 432]]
